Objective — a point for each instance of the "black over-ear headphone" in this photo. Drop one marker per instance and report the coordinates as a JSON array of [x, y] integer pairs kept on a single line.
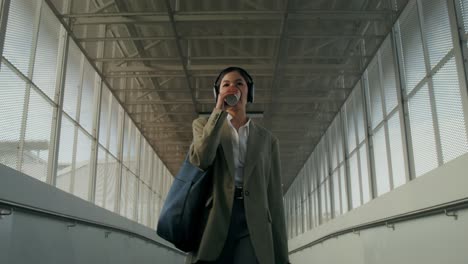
[[245, 75]]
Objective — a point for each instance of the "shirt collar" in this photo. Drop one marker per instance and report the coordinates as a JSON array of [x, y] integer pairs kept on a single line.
[[230, 117]]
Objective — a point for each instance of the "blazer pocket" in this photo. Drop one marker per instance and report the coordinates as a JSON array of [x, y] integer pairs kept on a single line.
[[269, 215]]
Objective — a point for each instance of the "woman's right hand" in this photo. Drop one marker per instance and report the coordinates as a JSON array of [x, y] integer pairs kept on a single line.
[[223, 93]]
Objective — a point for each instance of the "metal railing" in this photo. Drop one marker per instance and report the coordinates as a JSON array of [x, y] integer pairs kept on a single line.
[[448, 209]]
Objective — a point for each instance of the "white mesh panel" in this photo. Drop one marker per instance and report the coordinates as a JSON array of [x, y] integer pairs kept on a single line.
[[316, 215], [104, 117], [336, 193], [350, 127], [366, 195], [128, 194], [436, 28], [396, 150], [354, 181], [450, 112], [100, 177], [343, 189], [413, 56], [112, 175], [45, 65], [381, 164], [359, 114], [72, 80], [323, 206], [65, 158], [463, 5], [11, 114], [143, 203], [339, 139], [135, 150], [19, 33], [82, 166], [374, 93], [422, 132], [115, 126], [87, 110], [388, 75], [37, 139]]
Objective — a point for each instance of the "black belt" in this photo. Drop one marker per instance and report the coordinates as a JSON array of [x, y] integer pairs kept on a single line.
[[239, 193]]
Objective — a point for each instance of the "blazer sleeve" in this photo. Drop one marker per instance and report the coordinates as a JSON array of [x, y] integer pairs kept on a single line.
[[275, 201], [206, 138]]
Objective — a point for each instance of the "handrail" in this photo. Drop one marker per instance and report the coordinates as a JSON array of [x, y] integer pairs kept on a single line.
[[449, 209], [12, 206]]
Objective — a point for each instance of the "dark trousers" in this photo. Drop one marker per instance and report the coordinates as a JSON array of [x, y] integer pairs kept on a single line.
[[238, 248]]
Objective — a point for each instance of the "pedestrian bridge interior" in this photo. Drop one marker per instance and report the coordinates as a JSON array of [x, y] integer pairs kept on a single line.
[[368, 98]]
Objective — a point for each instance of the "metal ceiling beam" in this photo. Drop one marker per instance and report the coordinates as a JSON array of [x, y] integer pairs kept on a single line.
[[137, 54], [191, 58], [280, 54], [176, 75], [226, 37], [214, 74], [212, 16], [103, 7], [320, 67], [168, 59], [141, 48], [183, 61], [149, 90], [200, 67]]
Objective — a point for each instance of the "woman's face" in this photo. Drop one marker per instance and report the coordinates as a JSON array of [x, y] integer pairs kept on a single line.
[[235, 79]]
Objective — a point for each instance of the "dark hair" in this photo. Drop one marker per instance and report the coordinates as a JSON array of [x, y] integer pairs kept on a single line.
[[243, 73]]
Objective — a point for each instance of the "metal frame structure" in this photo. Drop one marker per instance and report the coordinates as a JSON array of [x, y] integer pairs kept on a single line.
[[460, 48], [4, 9], [159, 67], [56, 102], [401, 109], [146, 36]]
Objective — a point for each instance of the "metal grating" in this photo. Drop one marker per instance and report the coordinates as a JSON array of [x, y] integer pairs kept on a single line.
[[422, 132], [36, 144], [11, 115], [449, 110]]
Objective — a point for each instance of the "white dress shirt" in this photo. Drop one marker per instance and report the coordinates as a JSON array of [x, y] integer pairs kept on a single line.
[[239, 146]]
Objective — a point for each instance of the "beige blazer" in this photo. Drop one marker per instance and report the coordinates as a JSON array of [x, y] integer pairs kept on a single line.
[[262, 188]]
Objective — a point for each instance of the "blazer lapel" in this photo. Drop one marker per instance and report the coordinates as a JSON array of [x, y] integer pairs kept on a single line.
[[226, 144], [253, 154]]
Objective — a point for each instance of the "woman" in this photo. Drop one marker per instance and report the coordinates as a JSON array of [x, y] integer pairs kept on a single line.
[[246, 217]]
